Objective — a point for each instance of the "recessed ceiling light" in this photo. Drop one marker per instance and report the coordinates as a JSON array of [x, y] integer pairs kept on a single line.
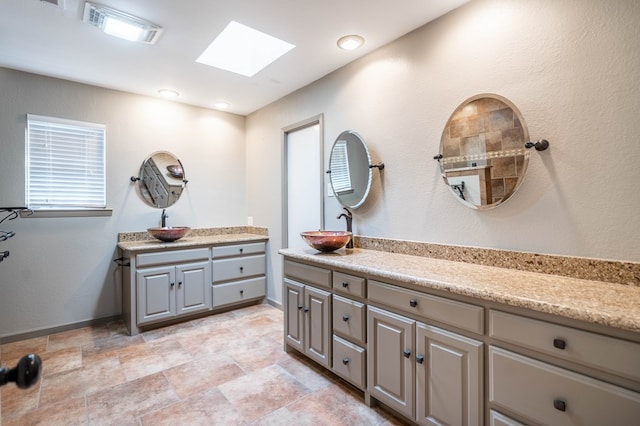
[[168, 93], [120, 24], [221, 105], [243, 50], [350, 42]]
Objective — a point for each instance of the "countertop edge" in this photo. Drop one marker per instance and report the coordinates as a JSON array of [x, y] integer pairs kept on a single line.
[[189, 242]]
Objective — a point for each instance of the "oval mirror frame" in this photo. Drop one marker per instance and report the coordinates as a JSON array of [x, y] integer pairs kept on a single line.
[[483, 159], [350, 169], [161, 179]]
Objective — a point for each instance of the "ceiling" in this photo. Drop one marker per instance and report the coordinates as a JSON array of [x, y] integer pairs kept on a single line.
[[40, 37]]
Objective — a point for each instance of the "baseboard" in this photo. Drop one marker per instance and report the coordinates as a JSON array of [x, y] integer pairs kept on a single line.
[[52, 330], [274, 303]]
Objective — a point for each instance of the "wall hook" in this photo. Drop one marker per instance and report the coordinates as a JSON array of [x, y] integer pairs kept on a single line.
[[540, 145], [134, 178], [379, 166], [438, 157]]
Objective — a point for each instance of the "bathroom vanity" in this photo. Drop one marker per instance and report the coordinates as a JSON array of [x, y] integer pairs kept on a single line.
[[444, 342], [206, 272]]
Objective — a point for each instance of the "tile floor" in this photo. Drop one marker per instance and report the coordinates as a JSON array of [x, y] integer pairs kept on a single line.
[[227, 369]]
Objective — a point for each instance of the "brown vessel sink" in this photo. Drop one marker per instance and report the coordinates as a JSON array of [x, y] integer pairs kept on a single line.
[[326, 241], [169, 233]]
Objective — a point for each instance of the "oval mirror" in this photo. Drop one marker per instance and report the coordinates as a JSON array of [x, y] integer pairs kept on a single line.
[[483, 158], [350, 169], [161, 179]]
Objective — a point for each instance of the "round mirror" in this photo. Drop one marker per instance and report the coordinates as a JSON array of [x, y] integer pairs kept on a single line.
[[350, 170], [161, 179], [483, 158]]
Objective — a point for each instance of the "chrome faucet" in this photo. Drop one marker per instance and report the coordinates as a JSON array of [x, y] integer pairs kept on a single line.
[[349, 218], [164, 218]]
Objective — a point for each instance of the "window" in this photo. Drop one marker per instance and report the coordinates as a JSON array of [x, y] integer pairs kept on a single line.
[[65, 164]]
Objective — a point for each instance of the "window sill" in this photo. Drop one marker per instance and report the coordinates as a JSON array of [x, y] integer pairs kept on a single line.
[[31, 214]]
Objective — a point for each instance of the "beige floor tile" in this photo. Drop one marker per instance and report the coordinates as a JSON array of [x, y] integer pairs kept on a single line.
[[71, 412], [58, 361], [124, 403], [77, 337], [16, 402], [12, 352]]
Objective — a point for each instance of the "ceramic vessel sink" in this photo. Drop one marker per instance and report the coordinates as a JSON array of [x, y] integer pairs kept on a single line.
[[169, 233], [326, 241]]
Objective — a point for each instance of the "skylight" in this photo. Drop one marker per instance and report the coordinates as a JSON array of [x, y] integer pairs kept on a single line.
[[243, 50]]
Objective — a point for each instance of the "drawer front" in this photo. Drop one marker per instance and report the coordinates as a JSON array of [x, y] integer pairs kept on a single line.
[[498, 419], [173, 256], [349, 361], [237, 250], [349, 285], [551, 395], [349, 319], [458, 314], [308, 274], [238, 268], [239, 291], [594, 350]]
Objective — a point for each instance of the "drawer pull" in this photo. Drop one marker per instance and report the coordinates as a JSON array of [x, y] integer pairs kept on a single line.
[[345, 284], [241, 268], [345, 361], [559, 405], [241, 250], [241, 292], [559, 343], [413, 303], [407, 353], [420, 359], [345, 318]]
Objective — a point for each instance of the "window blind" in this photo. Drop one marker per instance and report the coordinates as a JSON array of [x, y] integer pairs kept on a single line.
[[65, 164], [340, 174]]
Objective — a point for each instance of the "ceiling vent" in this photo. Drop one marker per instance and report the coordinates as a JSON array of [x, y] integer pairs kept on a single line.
[[121, 24]]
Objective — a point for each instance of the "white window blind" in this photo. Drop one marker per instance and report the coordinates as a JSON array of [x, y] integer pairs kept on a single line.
[[65, 164], [340, 175]]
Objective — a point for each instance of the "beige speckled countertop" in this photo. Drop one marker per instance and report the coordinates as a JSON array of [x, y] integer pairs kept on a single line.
[[608, 304], [142, 241]]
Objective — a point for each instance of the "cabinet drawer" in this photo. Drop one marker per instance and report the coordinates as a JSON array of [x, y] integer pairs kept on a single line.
[[174, 256], [594, 350], [349, 319], [498, 419], [349, 284], [349, 361], [551, 395], [307, 273], [237, 250], [238, 291], [458, 314], [238, 267]]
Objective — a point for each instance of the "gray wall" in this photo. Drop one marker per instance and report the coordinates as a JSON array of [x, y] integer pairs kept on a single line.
[[573, 70], [60, 270]]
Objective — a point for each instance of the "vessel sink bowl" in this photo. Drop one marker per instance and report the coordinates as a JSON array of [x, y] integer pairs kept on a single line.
[[326, 241], [169, 233]]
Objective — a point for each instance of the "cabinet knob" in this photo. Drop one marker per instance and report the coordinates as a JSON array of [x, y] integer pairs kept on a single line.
[[306, 310], [559, 405], [559, 343], [406, 353], [345, 361], [300, 307], [241, 292], [173, 284], [413, 303], [345, 284], [345, 318], [179, 283], [241, 250], [420, 359], [241, 268]]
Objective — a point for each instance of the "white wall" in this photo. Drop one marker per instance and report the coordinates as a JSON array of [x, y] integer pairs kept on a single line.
[[60, 271], [573, 70]]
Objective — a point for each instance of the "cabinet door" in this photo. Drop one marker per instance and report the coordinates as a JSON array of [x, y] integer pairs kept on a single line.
[[193, 293], [448, 377], [391, 368], [317, 327], [156, 293], [294, 314]]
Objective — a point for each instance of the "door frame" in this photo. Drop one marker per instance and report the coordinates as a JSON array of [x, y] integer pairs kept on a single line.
[[312, 121]]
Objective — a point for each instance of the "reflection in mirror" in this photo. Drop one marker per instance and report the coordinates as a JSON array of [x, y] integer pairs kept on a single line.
[[482, 157], [161, 179], [349, 169]]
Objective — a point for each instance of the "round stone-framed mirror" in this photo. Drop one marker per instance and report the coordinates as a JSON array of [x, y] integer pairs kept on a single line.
[[161, 179], [483, 159], [350, 169]]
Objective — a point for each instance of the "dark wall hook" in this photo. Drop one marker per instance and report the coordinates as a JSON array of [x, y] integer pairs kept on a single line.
[[540, 145], [379, 166]]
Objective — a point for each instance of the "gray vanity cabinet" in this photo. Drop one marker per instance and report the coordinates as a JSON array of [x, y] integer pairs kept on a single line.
[[166, 292], [238, 273]]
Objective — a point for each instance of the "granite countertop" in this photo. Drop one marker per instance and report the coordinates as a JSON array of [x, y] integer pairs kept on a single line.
[[142, 241], [609, 304]]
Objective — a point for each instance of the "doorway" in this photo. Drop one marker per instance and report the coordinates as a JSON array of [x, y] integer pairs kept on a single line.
[[303, 181]]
